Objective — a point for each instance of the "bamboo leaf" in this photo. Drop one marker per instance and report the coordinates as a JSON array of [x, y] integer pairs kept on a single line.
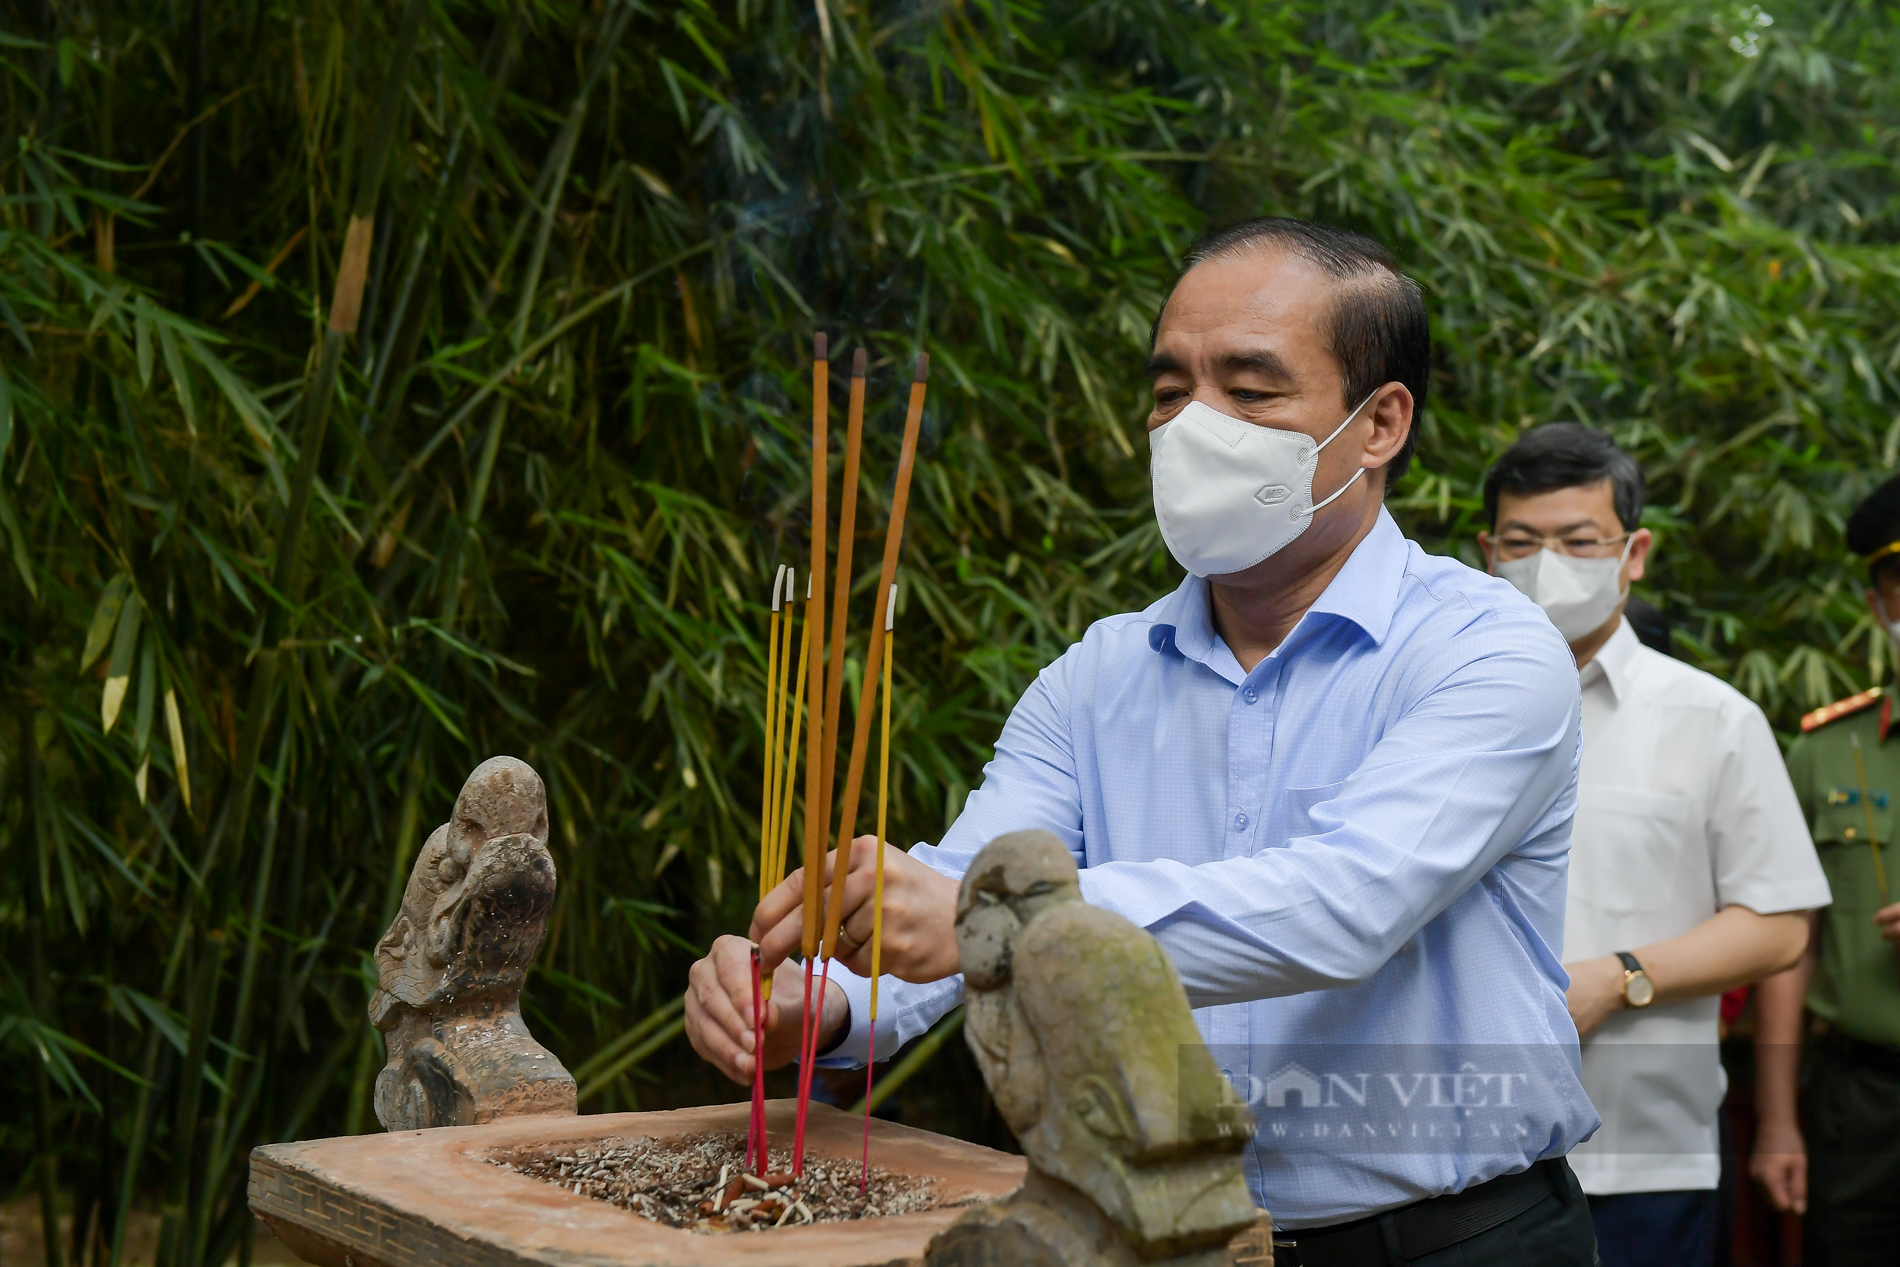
[[10, 521], [119, 667], [180, 766], [105, 618], [181, 381]]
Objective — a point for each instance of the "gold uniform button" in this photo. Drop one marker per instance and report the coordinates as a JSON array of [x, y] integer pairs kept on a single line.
[[1851, 833]]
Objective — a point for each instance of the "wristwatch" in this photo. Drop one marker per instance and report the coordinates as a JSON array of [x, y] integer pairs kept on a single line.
[[1638, 989]]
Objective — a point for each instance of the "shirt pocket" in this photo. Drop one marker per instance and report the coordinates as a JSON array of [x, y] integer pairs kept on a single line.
[[1626, 848], [1843, 818]]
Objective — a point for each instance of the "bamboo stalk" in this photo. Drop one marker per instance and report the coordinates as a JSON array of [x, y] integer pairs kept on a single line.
[[287, 575]]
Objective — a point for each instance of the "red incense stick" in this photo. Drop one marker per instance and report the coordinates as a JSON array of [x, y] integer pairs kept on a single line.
[[758, 1068]]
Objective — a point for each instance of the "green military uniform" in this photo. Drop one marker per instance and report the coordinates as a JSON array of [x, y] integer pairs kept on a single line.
[[1851, 1105], [1856, 988]]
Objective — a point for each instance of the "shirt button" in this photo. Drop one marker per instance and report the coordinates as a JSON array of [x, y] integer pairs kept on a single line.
[[1253, 696], [1240, 822]]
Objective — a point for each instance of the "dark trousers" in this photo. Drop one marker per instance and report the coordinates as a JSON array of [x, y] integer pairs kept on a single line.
[[1853, 1131], [1640, 1229], [1555, 1232]]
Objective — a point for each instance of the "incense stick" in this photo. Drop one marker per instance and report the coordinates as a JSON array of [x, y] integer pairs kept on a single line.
[[758, 1066], [887, 577], [768, 819], [877, 885], [840, 609], [815, 765], [783, 832], [768, 809]]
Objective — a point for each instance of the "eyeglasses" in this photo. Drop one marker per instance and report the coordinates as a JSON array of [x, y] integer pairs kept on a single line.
[[1521, 545]]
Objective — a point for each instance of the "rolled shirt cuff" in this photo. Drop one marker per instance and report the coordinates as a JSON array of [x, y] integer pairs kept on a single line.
[[904, 1011]]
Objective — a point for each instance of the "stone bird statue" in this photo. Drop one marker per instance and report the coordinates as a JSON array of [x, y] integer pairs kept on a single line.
[[450, 968], [1085, 1037]]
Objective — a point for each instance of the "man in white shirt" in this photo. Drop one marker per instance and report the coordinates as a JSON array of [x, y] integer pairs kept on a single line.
[[1691, 866]]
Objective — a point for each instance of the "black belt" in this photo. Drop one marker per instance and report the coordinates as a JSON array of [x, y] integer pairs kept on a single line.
[[1425, 1227], [1857, 1051]]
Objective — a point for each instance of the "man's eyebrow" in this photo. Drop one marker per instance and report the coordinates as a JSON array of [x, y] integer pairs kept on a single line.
[[1520, 526], [1160, 363], [1261, 361]]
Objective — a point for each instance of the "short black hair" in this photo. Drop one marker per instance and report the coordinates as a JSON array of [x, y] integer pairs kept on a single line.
[[1379, 331], [1566, 455]]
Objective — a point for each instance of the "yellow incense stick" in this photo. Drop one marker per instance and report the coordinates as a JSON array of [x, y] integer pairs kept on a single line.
[[784, 834], [768, 815], [781, 785], [1867, 804], [883, 802], [784, 760]]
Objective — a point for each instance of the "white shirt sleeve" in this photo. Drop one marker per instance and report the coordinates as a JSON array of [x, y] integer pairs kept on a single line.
[[1759, 845]]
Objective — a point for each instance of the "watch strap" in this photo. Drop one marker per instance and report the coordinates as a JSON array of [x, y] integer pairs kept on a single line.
[[1630, 963]]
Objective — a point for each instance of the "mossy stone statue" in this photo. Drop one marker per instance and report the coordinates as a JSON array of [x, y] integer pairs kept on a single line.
[[450, 969], [1085, 1037]]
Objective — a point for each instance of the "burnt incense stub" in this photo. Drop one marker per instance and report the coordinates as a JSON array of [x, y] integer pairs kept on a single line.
[[1084, 1035], [450, 968]]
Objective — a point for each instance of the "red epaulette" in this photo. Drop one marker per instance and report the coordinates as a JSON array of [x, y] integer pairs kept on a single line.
[[1841, 708]]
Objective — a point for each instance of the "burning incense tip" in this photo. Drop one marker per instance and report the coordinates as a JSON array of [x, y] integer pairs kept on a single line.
[[890, 610], [923, 367], [857, 363], [820, 346]]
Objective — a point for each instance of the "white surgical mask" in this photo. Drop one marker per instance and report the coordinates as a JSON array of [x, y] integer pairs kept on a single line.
[[1577, 594], [1229, 493]]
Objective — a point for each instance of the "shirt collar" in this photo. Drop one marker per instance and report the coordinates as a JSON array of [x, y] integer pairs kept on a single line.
[[1365, 592], [1618, 660]]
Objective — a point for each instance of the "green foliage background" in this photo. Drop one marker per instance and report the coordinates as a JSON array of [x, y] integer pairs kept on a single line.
[[564, 454]]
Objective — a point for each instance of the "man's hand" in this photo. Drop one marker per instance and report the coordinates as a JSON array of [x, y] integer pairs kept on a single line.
[[719, 1010], [920, 944], [1887, 920], [920, 915], [1780, 1165], [1596, 992]]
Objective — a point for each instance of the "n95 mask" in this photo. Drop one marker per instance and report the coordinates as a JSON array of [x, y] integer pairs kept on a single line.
[[1577, 594], [1229, 493]]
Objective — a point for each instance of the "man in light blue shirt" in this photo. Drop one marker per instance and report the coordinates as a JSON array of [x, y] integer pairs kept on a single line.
[[1332, 774]]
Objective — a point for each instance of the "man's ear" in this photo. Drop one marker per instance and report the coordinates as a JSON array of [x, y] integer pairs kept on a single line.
[[1490, 547], [1391, 411], [1640, 541]]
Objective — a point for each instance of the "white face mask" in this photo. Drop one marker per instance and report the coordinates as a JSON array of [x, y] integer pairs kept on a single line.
[[1577, 594], [1229, 493]]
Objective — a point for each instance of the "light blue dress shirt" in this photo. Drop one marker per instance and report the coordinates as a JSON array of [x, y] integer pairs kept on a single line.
[[1362, 845]]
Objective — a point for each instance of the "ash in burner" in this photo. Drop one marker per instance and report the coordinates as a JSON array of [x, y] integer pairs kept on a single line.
[[697, 1182]]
